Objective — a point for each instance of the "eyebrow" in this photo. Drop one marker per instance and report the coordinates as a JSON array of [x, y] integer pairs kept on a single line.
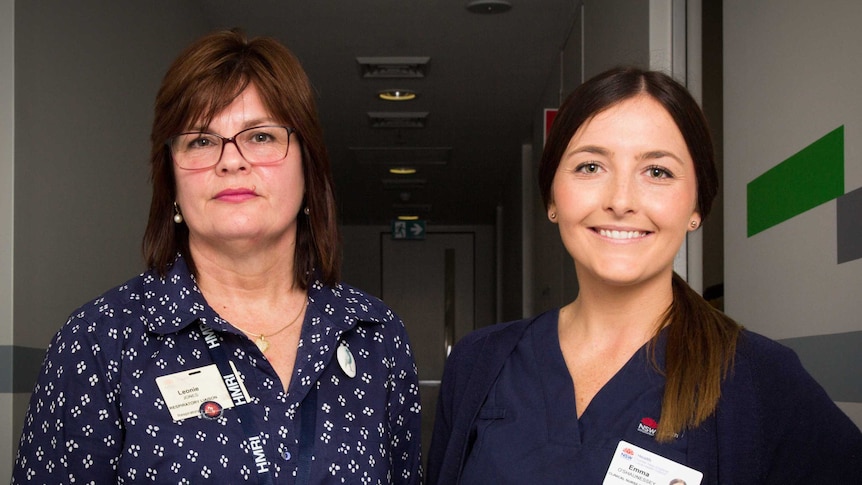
[[656, 154], [590, 149], [248, 124], [650, 155]]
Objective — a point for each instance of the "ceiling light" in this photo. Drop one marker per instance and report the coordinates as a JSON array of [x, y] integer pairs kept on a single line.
[[402, 170], [396, 95], [402, 183], [401, 156], [408, 218], [488, 6], [398, 119], [393, 67], [412, 208]]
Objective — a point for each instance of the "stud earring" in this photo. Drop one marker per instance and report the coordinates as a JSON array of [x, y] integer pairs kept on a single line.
[[178, 218], [553, 216], [306, 211], [693, 224]]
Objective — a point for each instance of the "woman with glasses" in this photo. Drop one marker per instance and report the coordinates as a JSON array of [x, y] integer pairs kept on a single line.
[[638, 379], [238, 356]]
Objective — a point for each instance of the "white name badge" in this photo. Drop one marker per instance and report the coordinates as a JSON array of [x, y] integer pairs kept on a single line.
[[632, 465], [200, 392]]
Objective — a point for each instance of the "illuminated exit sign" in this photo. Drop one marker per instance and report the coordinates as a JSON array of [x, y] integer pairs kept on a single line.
[[408, 229]]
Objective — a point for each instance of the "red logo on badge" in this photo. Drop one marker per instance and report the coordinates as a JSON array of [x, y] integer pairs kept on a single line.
[[211, 410]]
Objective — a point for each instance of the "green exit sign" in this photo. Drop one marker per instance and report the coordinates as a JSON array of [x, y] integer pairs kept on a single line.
[[408, 229]]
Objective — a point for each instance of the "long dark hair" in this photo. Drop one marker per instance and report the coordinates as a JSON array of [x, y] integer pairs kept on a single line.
[[202, 82], [701, 341]]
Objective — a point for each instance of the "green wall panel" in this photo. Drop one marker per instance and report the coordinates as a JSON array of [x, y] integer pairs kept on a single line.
[[807, 179]]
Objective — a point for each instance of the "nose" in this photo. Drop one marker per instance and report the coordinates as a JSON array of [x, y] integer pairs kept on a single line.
[[231, 159], [621, 196]]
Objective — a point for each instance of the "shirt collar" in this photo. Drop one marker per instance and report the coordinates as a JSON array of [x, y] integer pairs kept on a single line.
[[174, 302]]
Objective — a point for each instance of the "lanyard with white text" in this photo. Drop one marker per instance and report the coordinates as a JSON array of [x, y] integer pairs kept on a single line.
[[246, 416], [307, 423]]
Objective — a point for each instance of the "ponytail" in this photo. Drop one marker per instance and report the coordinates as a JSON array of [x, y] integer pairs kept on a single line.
[[701, 343]]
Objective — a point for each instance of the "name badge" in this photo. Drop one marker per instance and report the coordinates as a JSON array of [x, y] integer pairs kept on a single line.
[[201, 392], [634, 465]]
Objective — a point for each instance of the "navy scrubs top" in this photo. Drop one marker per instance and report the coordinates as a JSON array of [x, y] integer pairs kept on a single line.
[[527, 430]]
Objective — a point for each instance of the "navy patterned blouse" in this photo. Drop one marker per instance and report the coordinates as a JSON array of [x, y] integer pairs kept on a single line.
[[133, 389]]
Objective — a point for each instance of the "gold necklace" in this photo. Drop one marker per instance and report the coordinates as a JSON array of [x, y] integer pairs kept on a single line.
[[260, 339]]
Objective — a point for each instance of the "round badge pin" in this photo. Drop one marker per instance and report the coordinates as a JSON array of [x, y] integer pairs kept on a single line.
[[211, 410], [345, 360]]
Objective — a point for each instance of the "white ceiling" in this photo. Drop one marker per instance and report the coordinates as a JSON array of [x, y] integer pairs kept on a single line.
[[483, 92]]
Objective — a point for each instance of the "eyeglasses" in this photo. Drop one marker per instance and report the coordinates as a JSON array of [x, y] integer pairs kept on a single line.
[[258, 145]]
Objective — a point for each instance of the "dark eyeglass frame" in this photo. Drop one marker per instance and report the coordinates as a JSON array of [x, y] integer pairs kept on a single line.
[[224, 141]]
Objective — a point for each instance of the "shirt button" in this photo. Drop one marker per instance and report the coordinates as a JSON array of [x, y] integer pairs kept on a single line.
[[286, 455]]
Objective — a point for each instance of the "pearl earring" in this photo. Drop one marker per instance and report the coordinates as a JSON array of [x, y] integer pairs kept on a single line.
[[693, 224], [178, 218], [306, 211], [553, 215]]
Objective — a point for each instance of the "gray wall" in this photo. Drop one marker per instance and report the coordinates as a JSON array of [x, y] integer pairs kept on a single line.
[[7, 173], [791, 76], [85, 76]]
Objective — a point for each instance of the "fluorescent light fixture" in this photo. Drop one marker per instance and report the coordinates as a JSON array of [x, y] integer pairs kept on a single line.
[[402, 170], [408, 218], [393, 67], [399, 119], [401, 156]]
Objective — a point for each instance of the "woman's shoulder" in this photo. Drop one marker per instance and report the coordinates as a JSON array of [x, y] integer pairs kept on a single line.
[[497, 339], [351, 294], [346, 302], [769, 376], [769, 399], [511, 329], [764, 355], [119, 299]]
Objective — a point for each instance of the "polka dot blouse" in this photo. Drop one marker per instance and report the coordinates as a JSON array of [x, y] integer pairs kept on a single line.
[[106, 410]]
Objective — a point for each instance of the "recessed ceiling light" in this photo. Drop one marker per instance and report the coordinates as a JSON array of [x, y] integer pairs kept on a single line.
[[488, 6], [393, 67], [399, 119], [402, 183], [396, 95], [408, 218], [401, 156], [402, 170]]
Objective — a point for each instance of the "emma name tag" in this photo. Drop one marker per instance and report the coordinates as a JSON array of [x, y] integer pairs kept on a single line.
[[634, 465], [200, 392]]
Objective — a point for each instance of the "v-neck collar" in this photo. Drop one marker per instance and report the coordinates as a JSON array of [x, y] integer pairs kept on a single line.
[[632, 387]]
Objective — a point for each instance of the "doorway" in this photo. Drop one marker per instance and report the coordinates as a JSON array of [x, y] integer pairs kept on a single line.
[[430, 284]]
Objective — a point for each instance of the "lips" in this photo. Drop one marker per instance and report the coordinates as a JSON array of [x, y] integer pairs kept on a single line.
[[237, 194]]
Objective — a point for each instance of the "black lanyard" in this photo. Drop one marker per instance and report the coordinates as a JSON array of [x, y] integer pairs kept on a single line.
[[307, 418]]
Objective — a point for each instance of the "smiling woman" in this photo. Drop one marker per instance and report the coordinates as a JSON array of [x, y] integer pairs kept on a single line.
[[624, 194], [638, 364], [238, 354]]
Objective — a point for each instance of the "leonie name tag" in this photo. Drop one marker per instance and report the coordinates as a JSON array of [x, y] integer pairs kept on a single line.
[[632, 465], [185, 392]]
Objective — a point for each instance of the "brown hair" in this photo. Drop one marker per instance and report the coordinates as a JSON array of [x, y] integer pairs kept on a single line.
[[202, 82], [701, 341]]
